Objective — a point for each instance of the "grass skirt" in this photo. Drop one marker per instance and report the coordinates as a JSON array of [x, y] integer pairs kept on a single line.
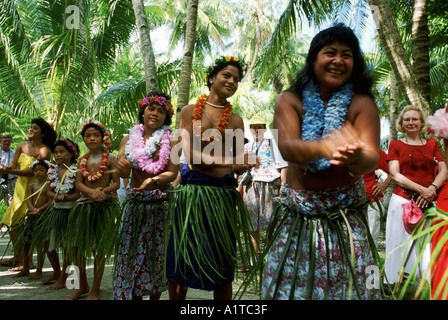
[[209, 225], [319, 246], [93, 230], [26, 227], [51, 229], [140, 259]]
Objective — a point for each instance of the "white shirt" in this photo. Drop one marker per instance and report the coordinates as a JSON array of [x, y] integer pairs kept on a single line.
[[269, 157], [5, 159]]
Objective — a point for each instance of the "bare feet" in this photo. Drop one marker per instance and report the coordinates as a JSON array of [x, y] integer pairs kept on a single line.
[[22, 273], [53, 277], [57, 285], [35, 276], [75, 295], [94, 295]]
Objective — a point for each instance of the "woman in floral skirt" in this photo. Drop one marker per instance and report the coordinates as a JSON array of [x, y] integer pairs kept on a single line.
[[328, 131], [145, 156]]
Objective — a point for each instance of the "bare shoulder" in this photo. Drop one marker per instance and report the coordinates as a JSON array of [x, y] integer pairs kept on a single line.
[[289, 100], [362, 103], [111, 158], [236, 122], [187, 111]]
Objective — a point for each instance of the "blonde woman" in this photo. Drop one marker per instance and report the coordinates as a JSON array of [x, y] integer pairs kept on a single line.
[[417, 166]]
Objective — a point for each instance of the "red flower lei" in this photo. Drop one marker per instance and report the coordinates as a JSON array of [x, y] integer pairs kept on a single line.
[[86, 174], [197, 112]]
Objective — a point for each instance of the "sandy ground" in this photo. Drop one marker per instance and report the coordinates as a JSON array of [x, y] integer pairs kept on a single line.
[[24, 289]]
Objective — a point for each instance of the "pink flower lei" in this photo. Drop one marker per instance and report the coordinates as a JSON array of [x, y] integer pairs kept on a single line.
[[140, 153]]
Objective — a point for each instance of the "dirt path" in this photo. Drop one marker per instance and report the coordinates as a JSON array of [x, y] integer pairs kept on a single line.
[[24, 289]]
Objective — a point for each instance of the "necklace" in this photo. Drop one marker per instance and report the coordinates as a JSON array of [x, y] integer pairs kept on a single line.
[[320, 120], [99, 174], [68, 179], [214, 105], [140, 153], [196, 119]]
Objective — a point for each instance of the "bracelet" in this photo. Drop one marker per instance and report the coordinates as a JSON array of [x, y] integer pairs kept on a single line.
[[432, 184]]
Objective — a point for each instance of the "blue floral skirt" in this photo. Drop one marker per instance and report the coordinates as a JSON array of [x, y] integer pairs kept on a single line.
[[320, 246]]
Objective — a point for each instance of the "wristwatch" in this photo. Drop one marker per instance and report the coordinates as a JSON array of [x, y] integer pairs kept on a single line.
[[156, 181]]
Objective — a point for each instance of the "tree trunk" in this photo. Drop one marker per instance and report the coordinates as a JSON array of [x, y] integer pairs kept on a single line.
[[393, 115], [420, 47], [396, 54], [187, 60], [149, 63]]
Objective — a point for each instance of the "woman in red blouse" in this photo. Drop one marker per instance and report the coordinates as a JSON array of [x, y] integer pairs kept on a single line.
[[417, 166]]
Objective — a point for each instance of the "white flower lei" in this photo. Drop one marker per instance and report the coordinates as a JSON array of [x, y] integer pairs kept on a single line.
[[320, 120], [150, 145], [69, 181]]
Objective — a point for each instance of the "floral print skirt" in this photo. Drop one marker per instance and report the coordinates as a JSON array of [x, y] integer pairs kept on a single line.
[[260, 198], [140, 260], [320, 246]]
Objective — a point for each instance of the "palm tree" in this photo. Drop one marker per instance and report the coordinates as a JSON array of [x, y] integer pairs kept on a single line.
[[49, 67], [146, 46], [187, 62]]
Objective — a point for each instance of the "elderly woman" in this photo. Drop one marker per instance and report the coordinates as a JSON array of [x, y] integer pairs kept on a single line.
[[144, 155], [417, 166], [263, 189]]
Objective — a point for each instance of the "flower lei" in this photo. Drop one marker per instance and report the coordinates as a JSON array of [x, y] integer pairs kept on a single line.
[[438, 124], [140, 153], [99, 174], [106, 134], [196, 119], [223, 60], [320, 120], [69, 181], [162, 101]]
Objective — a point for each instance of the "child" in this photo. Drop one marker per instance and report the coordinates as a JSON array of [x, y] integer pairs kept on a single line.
[[62, 192], [94, 219], [37, 202]]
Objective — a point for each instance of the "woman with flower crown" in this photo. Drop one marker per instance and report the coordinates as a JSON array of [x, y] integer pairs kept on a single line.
[[52, 226], [328, 130], [209, 213], [93, 221], [144, 156]]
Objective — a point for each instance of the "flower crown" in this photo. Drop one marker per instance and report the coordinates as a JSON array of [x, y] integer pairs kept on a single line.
[[106, 134], [45, 163], [71, 145], [162, 101], [224, 60]]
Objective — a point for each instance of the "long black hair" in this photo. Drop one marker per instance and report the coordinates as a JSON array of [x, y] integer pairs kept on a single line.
[[361, 77], [48, 133]]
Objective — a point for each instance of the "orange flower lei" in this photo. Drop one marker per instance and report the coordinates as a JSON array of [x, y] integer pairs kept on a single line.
[[197, 112], [83, 163]]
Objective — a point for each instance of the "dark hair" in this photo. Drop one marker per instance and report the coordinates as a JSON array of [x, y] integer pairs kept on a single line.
[[221, 66], [361, 78], [92, 125], [70, 146], [48, 133], [141, 110], [41, 163]]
